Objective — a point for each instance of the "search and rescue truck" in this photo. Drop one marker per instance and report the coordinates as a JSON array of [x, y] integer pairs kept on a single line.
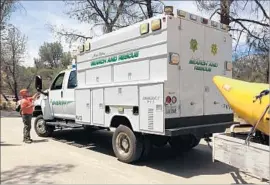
[[150, 83]]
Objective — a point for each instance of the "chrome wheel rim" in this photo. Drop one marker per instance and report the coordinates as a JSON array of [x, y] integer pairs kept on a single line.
[[123, 144], [41, 126]]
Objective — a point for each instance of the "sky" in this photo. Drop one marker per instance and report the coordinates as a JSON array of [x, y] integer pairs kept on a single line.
[[34, 18]]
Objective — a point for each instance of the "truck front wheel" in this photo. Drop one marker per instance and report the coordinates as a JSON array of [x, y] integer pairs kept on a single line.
[[127, 145], [41, 128], [184, 142]]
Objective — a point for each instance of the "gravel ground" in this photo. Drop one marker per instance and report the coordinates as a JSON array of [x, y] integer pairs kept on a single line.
[[71, 157]]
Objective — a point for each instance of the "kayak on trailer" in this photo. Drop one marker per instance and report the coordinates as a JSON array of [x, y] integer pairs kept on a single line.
[[248, 100]]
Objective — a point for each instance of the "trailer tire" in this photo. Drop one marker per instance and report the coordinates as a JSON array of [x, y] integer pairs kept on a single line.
[[184, 143], [133, 144], [41, 128]]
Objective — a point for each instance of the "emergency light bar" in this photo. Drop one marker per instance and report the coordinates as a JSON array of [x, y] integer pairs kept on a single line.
[[144, 28], [81, 48], [156, 24], [168, 10], [181, 13], [87, 46]]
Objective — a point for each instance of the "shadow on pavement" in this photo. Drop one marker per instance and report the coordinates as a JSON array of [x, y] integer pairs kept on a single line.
[[34, 174], [2, 143], [40, 140], [193, 163], [9, 144]]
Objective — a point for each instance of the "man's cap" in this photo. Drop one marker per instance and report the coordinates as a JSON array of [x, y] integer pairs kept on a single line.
[[23, 92]]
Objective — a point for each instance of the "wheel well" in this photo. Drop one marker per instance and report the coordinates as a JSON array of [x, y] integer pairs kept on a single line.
[[37, 111], [38, 107], [120, 120]]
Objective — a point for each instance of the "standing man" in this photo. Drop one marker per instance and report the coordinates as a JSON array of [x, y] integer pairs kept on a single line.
[[27, 108]]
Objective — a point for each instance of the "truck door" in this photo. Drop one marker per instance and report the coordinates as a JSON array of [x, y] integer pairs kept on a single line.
[[217, 50], [55, 95], [68, 95], [191, 68]]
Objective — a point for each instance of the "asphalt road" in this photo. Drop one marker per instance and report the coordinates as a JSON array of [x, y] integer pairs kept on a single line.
[[79, 157]]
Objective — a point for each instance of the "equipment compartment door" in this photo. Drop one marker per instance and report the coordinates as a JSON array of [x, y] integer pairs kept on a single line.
[[191, 68], [82, 98], [151, 109], [98, 107], [217, 50]]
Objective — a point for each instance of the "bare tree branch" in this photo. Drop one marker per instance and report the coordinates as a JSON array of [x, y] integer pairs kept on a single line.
[[239, 38], [214, 13], [261, 7], [248, 20], [245, 28]]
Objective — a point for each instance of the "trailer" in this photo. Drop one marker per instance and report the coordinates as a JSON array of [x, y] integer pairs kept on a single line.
[[236, 150], [150, 83]]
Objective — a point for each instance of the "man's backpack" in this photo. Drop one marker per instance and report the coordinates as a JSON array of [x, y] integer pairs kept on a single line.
[[18, 107]]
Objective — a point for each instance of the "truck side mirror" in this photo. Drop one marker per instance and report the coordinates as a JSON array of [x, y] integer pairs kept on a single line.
[[38, 83]]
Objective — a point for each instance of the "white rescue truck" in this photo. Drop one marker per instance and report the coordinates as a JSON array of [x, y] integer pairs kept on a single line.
[[151, 81]]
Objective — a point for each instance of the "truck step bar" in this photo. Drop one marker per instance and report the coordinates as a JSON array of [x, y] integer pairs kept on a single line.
[[64, 124]]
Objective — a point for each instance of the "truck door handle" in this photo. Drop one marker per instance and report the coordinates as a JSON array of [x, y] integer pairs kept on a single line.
[[61, 94]]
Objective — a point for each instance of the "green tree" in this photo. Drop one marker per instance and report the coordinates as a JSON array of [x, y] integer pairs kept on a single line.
[[50, 54], [51, 61], [13, 50], [66, 59]]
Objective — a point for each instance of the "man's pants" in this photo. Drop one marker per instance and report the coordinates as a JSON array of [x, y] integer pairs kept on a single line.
[[27, 126]]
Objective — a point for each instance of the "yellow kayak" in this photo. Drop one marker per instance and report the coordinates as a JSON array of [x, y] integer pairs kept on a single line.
[[241, 96]]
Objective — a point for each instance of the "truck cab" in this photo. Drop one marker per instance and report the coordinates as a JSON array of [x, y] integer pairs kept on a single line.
[[61, 95]]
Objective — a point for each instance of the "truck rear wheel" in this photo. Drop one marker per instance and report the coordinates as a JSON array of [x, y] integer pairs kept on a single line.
[[127, 145], [184, 142], [147, 146], [41, 128]]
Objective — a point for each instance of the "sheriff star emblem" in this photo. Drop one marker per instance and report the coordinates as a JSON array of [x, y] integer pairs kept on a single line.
[[214, 49], [193, 45]]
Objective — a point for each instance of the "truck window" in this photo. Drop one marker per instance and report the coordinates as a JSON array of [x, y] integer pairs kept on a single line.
[[72, 80], [57, 84]]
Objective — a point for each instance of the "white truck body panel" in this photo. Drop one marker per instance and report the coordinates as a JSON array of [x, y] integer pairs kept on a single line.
[[97, 96], [217, 103], [83, 104], [151, 109], [191, 81]]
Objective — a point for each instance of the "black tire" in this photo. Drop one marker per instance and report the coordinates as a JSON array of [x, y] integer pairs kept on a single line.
[[159, 141], [147, 146], [89, 128], [134, 141], [196, 142], [184, 143], [41, 128]]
